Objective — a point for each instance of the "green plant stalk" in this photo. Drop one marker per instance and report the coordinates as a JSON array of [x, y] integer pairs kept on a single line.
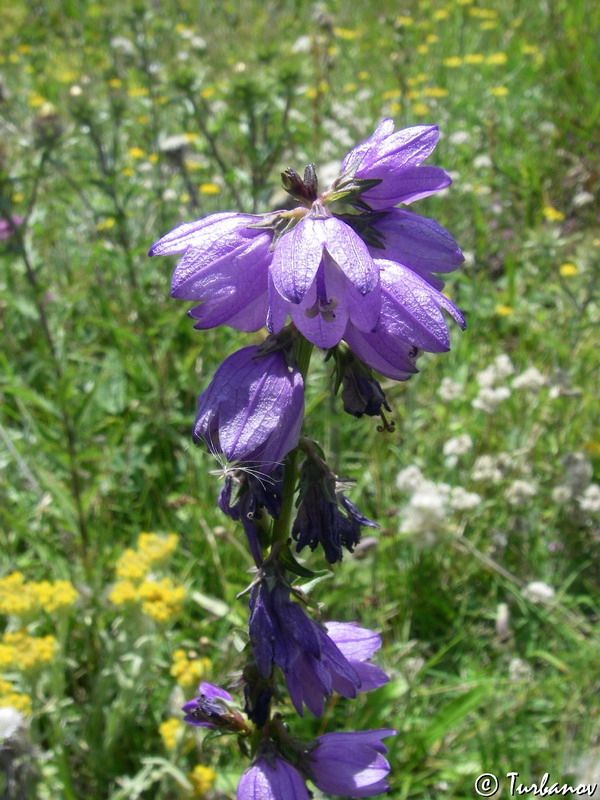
[[281, 526]]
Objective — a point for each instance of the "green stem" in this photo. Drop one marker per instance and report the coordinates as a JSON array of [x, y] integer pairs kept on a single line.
[[281, 526]]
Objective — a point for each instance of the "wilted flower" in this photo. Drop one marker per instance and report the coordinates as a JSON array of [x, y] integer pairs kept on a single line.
[[252, 410], [282, 634], [351, 763], [212, 709]]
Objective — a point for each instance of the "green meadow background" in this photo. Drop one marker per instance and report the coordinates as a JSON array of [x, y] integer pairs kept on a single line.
[[101, 369]]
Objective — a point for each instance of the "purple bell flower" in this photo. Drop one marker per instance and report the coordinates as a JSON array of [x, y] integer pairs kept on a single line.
[[394, 159], [419, 243], [358, 645], [271, 778], [410, 320], [282, 634], [225, 264], [252, 410], [351, 764]]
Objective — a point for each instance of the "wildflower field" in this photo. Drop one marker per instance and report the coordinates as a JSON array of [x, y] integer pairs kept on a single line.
[[119, 575]]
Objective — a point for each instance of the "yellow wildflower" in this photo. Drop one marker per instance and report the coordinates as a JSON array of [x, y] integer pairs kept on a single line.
[[24, 48], [138, 91], [422, 49], [553, 214], [420, 110], [35, 99], [363, 75], [115, 83], [153, 158], [26, 653], [483, 13], [67, 76], [530, 49], [161, 600], [155, 548], [489, 24], [441, 14], [432, 38], [474, 58], [346, 33], [404, 22], [499, 91], [435, 91], [209, 188], [395, 107], [13, 58], [207, 93], [123, 593], [311, 93], [452, 62], [568, 270], [168, 732], [184, 198], [20, 702], [497, 59], [391, 94], [106, 224], [192, 137], [201, 778], [136, 152], [129, 172], [323, 87], [18, 197], [350, 87], [189, 670], [143, 119], [503, 310], [55, 596]]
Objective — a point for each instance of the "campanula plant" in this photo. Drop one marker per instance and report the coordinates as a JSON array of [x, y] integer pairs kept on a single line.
[[347, 272]]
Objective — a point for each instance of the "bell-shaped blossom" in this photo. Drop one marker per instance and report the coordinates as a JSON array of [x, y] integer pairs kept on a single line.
[[394, 159], [411, 320], [252, 410], [359, 645], [225, 264], [325, 271], [271, 778], [351, 764], [419, 243], [282, 634]]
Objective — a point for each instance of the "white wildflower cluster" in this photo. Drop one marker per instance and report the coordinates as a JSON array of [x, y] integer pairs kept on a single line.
[[538, 592], [490, 394], [519, 670], [430, 504], [532, 380], [590, 499], [486, 469], [449, 390], [520, 492], [456, 447], [578, 473]]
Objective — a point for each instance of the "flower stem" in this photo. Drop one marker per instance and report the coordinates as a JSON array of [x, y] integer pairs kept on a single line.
[[281, 526]]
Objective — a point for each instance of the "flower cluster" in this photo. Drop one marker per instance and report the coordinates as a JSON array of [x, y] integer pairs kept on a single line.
[[346, 271], [188, 669], [21, 651], [24, 599], [159, 599]]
